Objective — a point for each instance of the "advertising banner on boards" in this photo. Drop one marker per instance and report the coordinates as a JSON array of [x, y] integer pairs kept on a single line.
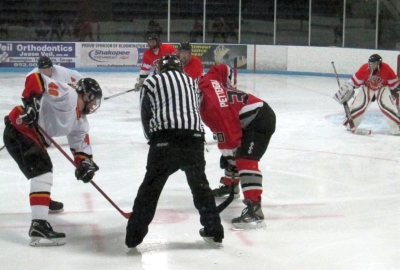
[[26, 54], [111, 55]]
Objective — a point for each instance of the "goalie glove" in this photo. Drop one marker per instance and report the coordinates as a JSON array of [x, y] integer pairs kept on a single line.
[[30, 115], [344, 94], [85, 171], [139, 84]]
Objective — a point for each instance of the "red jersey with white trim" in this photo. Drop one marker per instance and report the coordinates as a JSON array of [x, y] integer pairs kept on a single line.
[[384, 77], [194, 68], [150, 59], [224, 109]]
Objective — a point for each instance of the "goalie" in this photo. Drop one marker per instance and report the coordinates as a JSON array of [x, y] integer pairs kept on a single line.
[[375, 80]]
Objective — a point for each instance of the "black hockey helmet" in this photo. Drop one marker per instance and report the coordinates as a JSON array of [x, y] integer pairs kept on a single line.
[[44, 62], [153, 36], [374, 62], [170, 62], [185, 46], [91, 87]]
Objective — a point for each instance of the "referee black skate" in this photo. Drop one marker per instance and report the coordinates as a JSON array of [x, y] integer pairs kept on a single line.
[[171, 121]]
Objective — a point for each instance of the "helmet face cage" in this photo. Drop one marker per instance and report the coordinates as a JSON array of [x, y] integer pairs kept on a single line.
[[44, 62], [374, 62], [170, 62], [153, 36], [185, 46], [92, 88]]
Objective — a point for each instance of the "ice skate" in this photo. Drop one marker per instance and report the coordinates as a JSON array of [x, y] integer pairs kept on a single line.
[[55, 207], [224, 190], [252, 217], [217, 241], [42, 234]]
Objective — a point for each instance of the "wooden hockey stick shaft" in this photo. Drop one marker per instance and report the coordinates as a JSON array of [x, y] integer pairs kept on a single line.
[[345, 105], [347, 110], [119, 94], [126, 215]]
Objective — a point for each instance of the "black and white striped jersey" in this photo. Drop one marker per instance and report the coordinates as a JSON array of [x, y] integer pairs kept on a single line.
[[170, 100]]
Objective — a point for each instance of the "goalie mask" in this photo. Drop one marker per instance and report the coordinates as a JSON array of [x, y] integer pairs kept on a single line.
[[89, 90], [374, 63]]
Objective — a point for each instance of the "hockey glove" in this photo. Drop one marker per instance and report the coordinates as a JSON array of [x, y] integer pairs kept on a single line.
[[344, 94], [138, 85], [31, 111], [86, 170], [228, 163]]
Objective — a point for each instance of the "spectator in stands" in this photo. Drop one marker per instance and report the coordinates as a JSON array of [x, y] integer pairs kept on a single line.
[[55, 29], [197, 31], [218, 28], [42, 30], [86, 30], [232, 28], [4, 30], [154, 27]]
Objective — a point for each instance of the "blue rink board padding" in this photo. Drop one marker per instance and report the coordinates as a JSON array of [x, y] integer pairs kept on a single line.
[[136, 69]]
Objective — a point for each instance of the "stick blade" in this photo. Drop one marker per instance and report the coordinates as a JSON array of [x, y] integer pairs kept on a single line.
[[127, 215], [362, 131]]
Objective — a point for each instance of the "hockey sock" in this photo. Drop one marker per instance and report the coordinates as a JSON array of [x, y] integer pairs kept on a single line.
[[39, 196]]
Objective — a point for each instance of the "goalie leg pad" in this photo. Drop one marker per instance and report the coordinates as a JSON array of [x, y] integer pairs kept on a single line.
[[388, 109], [358, 107]]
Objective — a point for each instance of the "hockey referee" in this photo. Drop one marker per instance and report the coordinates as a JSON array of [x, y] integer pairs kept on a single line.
[[171, 121]]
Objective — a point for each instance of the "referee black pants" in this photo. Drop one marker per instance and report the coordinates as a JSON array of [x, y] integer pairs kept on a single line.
[[167, 154]]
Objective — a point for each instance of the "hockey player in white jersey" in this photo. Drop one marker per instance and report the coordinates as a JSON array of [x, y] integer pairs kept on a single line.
[[61, 111], [59, 73]]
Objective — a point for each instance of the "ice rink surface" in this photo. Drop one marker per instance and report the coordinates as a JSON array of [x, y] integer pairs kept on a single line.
[[331, 198]]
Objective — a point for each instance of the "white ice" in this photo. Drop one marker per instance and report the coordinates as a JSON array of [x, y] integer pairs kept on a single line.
[[331, 198]]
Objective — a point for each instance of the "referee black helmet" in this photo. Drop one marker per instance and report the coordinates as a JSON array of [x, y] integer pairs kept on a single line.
[[170, 62]]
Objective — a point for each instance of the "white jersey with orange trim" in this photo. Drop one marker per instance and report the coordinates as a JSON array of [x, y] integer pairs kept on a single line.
[[62, 74], [59, 115]]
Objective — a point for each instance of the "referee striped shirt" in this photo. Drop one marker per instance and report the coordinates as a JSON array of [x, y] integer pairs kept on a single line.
[[170, 100]]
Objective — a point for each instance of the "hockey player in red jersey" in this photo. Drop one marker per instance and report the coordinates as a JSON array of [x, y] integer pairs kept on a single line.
[[243, 125], [59, 110], [375, 80], [191, 63], [151, 57]]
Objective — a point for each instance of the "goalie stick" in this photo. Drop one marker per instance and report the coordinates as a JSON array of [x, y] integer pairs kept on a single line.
[[126, 215], [348, 113], [119, 94]]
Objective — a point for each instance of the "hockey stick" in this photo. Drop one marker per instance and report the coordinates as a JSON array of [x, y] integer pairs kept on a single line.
[[126, 215], [228, 200], [2, 147], [119, 94], [348, 113]]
